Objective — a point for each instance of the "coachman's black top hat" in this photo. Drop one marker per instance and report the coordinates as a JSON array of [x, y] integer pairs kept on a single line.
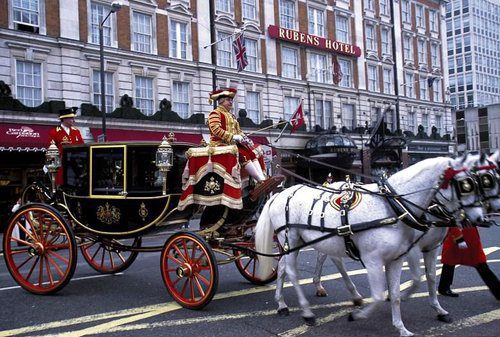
[[68, 113]]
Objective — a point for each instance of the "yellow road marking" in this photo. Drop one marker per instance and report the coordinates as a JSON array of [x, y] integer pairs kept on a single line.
[[469, 322]]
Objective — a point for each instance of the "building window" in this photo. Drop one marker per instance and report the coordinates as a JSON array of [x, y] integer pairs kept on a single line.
[[144, 95], [342, 29], [224, 50], [179, 37], [406, 10], [224, 6], [419, 9], [435, 55], [348, 119], [407, 47], [436, 89], [423, 90], [108, 87], [412, 121], [252, 55], [389, 120], [290, 59], [409, 84], [433, 20], [370, 37], [252, 104], [318, 68], [29, 83], [290, 106], [388, 81], [180, 98], [98, 12], [369, 5], [422, 55], [439, 124], [249, 9], [384, 7], [287, 14], [142, 33], [324, 113], [346, 68], [316, 21], [372, 78], [25, 14], [386, 41], [425, 122]]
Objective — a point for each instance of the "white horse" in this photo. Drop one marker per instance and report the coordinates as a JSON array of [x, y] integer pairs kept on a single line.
[[379, 247]]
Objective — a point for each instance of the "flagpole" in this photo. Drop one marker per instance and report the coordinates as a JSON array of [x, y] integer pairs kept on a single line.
[[224, 38], [267, 128], [213, 51]]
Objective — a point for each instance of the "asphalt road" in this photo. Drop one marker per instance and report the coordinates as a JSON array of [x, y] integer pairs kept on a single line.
[[136, 303]]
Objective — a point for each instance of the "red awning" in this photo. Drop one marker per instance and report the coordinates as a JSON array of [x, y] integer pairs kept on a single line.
[[24, 137], [116, 135]]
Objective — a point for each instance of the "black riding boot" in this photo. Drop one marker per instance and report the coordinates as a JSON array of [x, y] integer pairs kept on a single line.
[[489, 278], [446, 280]]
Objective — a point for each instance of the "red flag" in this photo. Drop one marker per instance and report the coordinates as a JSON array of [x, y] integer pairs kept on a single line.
[[337, 71], [297, 119], [240, 50]]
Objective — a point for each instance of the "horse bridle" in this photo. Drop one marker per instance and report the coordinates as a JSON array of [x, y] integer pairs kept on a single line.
[[487, 181]]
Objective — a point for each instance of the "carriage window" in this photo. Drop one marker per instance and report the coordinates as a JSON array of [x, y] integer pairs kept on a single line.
[[143, 175], [107, 170], [76, 170]]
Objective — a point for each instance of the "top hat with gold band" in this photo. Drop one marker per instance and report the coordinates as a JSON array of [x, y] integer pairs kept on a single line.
[[68, 113], [221, 93]]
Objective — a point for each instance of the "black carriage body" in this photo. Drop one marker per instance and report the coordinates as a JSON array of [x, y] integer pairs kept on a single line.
[[115, 189]]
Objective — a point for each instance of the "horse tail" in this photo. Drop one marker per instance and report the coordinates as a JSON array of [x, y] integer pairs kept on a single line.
[[264, 241]]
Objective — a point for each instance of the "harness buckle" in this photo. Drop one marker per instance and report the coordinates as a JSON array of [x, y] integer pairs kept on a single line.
[[342, 212], [344, 230], [322, 215]]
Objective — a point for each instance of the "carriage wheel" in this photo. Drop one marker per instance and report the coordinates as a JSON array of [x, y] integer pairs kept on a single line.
[[36, 193], [109, 256], [189, 270], [39, 249], [248, 262]]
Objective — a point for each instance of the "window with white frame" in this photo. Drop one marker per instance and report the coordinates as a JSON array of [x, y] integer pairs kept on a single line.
[[372, 78], [180, 98], [97, 13], [384, 7], [179, 37], [436, 89], [225, 6], [439, 123], [290, 106], [369, 4], [316, 19], [435, 54], [252, 55], [388, 81], [249, 9], [422, 51], [412, 121], [433, 20], [144, 100], [287, 14], [407, 47], [425, 122], [386, 41], [348, 115], [342, 30], [419, 14], [370, 36], [290, 62], [224, 50], [29, 83], [252, 104], [389, 120], [142, 35], [423, 90], [409, 85], [323, 113], [406, 10], [318, 68], [26, 14], [346, 68], [108, 89]]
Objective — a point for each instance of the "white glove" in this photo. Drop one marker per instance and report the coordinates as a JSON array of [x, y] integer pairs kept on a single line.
[[462, 245], [237, 138]]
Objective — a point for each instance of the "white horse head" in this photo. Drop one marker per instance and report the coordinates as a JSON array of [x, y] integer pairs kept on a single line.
[[486, 170]]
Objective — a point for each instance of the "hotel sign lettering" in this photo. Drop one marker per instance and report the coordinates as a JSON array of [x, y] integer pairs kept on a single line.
[[313, 41]]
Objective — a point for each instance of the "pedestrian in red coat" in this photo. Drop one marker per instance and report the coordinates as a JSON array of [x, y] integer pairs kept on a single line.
[[463, 246], [65, 134]]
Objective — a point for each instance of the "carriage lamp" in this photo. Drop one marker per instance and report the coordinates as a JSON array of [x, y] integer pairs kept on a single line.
[[164, 161], [53, 162]]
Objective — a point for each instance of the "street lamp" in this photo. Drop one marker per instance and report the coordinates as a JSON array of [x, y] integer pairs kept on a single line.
[[115, 7]]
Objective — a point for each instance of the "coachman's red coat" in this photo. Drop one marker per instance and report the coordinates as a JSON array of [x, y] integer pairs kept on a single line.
[[60, 137], [471, 256]]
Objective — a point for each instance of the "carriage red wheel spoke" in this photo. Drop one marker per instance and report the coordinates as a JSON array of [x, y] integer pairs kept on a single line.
[[110, 256]]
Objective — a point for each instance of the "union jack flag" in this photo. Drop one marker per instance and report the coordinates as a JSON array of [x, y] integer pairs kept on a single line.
[[241, 52]]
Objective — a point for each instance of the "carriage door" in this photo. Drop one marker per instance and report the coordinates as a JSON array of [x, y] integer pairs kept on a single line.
[[108, 165]]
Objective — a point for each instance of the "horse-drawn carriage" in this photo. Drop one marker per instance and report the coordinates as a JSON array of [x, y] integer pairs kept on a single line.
[[116, 193]]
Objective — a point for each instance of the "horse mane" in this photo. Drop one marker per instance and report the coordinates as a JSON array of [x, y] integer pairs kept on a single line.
[[417, 169]]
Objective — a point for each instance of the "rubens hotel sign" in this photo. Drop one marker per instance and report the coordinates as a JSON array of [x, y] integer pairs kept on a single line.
[[313, 41]]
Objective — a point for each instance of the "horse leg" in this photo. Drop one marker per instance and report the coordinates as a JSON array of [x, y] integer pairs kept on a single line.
[[376, 279], [291, 270], [430, 260], [393, 272], [320, 291], [413, 258], [357, 299], [280, 280]]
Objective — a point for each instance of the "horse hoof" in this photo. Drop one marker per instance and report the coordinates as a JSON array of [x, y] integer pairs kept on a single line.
[[358, 302], [310, 321], [283, 312], [445, 318], [350, 318], [321, 293]]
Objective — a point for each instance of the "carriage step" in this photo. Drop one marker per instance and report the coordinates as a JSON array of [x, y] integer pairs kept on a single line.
[[266, 187]]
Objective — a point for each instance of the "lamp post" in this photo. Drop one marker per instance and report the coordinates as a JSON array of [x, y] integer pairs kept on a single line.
[[115, 7]]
